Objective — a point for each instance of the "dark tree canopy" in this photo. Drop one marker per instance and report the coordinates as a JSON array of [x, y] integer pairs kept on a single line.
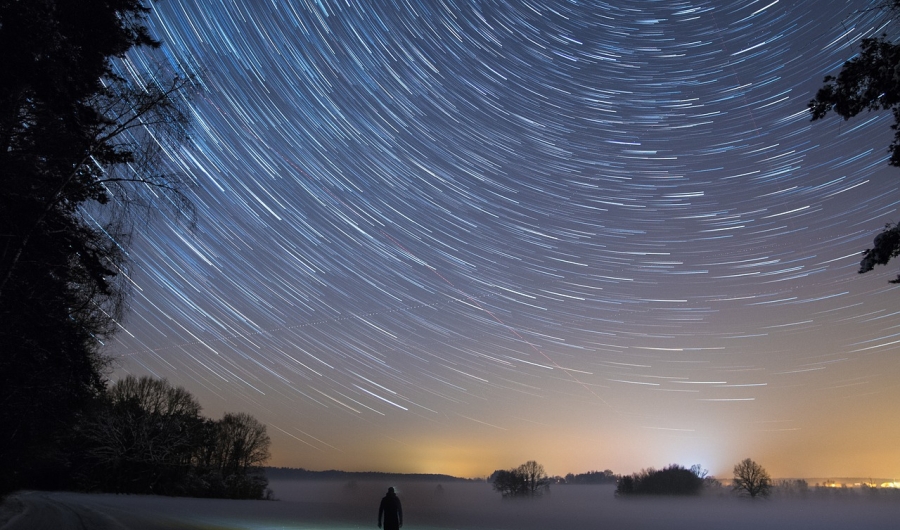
[[671, 480], [75, 138], [885, 247], [870, 81]]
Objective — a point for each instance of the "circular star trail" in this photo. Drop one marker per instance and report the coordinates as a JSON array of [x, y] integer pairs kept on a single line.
[[447, 236]]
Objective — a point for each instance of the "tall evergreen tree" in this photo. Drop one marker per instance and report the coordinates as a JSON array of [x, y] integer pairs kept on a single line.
[[74, 136]]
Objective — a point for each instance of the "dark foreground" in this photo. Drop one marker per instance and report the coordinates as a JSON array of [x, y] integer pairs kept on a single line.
[[331, 505]]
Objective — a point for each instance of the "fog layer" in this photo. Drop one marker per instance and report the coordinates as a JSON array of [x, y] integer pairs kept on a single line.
[[476, 506], [306, 505]]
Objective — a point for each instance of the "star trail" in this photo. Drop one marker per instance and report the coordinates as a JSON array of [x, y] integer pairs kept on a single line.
[[450, 236]]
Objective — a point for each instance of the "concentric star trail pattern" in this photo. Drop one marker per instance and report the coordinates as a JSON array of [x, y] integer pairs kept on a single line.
[[450, 236]]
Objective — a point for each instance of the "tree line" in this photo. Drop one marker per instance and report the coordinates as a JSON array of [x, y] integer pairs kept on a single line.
[[591, 477], [530, 480], [145, 436]]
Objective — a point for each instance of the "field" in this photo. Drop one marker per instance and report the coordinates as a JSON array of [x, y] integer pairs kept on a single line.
[[326, 505]]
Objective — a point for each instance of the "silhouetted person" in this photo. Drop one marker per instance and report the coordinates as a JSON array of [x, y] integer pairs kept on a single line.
[[390, 508]]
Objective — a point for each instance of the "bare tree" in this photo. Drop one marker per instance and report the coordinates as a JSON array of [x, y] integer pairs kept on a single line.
[[751, 479], [147, 436], [242, 444], [534, 477], [238, 449], [154, 396], [144, 439], [791, 488], [529, 479]]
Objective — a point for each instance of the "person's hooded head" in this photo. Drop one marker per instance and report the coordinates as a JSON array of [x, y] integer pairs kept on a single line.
[[391, 491]]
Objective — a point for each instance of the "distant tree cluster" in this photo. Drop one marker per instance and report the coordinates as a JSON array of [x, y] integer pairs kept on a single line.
[[750, 479], [592, 477], [148, 437], [791, 488], [527, 480], [671, 480]]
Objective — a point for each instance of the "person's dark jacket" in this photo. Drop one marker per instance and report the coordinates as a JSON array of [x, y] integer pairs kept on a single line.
[[392, 511]]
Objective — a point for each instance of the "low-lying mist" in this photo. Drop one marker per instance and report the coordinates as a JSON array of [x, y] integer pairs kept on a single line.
[[473, 505]]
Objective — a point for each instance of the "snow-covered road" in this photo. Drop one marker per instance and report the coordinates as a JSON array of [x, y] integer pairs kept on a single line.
[[34, 510], [39, 510]]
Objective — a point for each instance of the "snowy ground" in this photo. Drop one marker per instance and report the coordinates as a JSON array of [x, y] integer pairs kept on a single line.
[[305, 505]]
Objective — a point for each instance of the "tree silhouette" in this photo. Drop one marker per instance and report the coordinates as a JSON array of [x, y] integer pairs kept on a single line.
[[671, 480], [149, 437], [79, 144], [869, 82], [591, 477], [507, 482], [529, 479], [751, 479], [241, 448], [534, 477], [144, 439]]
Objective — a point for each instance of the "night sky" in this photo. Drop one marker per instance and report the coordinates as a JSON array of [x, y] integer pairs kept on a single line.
[[449, 236]]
